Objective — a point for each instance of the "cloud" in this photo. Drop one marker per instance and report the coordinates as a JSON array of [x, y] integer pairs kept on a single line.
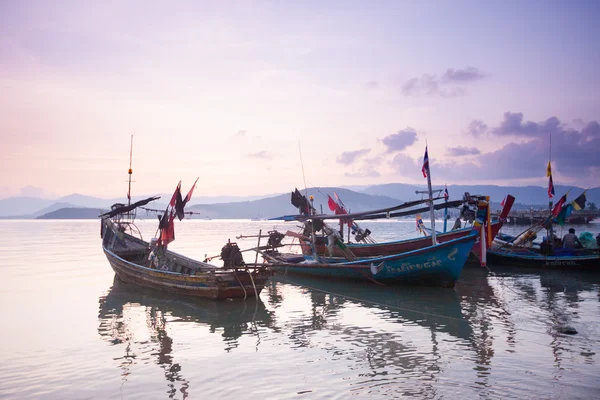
[[463, 151], [477, 128], [348, 157], [512, 124], [240, 133], [448, 86], [372, 85], [264, 155], [401, 140], [574, 152], [469, 74], [403, 164]]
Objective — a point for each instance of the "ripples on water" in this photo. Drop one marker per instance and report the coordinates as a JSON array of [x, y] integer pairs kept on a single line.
[[70, 330]]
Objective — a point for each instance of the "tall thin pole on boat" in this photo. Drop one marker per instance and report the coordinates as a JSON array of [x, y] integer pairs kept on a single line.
[[445, 209], [549, 231], [130, 172], [431, 210]]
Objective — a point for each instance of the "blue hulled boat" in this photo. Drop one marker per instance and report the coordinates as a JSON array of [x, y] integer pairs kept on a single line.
[[439, 265]]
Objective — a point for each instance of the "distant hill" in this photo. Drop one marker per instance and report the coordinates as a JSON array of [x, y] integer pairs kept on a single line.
[[280, 205], [266, 208], [22, 206], [376, 196], [72, 213]]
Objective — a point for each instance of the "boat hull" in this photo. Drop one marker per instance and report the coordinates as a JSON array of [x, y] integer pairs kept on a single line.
[[439, 265], [401, 246], [531, 260], [217, 285], [128, 256]]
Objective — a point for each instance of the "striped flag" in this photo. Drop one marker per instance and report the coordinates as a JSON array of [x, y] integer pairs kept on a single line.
[[425, 164]]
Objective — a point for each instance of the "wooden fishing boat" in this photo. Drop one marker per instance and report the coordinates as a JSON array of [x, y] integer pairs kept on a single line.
[[569, 260], [400, 246], [129, 258], [520, 250], [153, 265], [439, 265]]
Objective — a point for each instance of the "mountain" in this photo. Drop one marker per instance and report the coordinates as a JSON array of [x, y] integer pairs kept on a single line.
[[280, 205], [536, 196], [72, 213], [372, 197], [268, 207], [21, 205]]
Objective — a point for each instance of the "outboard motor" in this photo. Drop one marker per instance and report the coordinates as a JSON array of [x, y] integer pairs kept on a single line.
[[232, 256], [275, 239]]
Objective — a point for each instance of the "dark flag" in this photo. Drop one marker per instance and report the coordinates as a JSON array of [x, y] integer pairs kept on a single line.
[[180, 203], [558, 206], [301, 202], [579, 203]]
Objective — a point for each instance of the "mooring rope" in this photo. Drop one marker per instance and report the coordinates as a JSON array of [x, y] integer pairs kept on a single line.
[[240, 282], [253, 285]]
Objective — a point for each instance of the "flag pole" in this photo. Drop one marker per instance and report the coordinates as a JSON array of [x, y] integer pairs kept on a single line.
[[431, 210], [549, 231], [445, 209], [130, 171]]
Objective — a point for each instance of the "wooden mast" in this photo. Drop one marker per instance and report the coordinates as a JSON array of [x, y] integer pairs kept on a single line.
[[130, 172], [431, 210], [549, 232]]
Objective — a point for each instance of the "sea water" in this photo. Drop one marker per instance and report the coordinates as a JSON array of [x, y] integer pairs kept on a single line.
[[71, 331]]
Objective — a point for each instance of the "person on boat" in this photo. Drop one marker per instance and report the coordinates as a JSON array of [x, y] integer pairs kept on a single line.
[[571, 241]]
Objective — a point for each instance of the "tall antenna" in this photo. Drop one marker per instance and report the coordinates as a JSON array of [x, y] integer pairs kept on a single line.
[[130, 171], [302, 164]]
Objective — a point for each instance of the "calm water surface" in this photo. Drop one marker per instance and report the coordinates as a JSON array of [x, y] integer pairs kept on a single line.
[[70, 330]]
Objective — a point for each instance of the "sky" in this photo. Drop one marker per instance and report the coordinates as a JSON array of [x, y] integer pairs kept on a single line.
[[261, 97]]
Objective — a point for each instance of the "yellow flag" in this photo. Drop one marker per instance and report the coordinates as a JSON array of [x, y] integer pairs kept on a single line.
[[549, 169]]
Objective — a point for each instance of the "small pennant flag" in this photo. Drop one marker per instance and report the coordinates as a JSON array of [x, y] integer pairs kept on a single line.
[[549, 170], [558, 205], [550, 188], [425, 164], [579, 203]]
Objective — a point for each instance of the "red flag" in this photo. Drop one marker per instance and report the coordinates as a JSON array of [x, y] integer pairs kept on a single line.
[[189, 195], [331, 203], [558, 206], [174, 198], [167, 234], [425, 164]]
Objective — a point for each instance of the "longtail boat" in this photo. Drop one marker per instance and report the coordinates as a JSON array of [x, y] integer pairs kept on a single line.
[[153, 265], [130, 258], [578, 259], [520, 250], [439, 265], [373, 249]]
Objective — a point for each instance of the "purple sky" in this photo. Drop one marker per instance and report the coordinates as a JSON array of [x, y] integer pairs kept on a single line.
[[229, 90]]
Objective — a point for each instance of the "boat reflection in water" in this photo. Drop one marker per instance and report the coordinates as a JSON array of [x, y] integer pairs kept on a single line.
[[118, 325], [437, 309]]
